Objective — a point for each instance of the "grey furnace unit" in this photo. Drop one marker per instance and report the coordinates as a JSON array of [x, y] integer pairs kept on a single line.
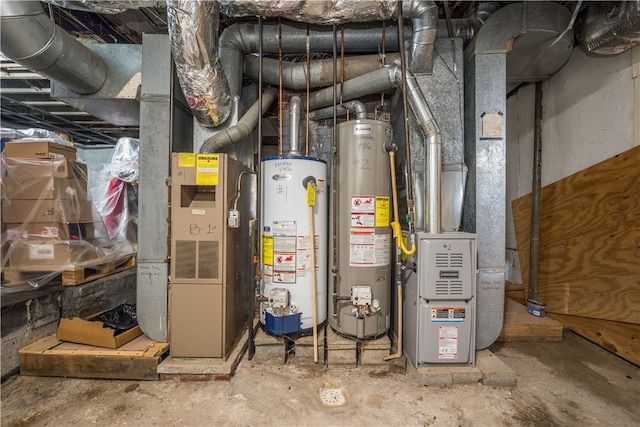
[[439, 308]]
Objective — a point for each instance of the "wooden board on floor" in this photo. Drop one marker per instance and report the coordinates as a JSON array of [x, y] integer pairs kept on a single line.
[[135, 360], [589, 259], [622, 339], [519, 325]]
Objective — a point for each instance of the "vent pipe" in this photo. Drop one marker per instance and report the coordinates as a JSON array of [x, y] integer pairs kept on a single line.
[[424, 20], [294, 74], [243, 128], [385, 79], [357, 107], [240, 39], [295, 104], [433, 142], [30, 38]]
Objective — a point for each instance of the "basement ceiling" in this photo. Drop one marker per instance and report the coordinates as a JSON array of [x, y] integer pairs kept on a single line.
[[25, 95]]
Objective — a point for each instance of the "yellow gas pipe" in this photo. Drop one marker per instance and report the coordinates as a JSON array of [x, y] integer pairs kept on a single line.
[[397, 234]]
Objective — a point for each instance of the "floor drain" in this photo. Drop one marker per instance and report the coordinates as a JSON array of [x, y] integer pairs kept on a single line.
[[332, 397]]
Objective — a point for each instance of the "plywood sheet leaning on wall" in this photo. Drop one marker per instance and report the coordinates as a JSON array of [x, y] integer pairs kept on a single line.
[[589, 260]]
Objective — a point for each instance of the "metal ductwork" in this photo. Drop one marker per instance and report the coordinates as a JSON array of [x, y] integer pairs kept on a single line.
[[537, 38], [424, 20], [31, 39], [521, 42], [610, 27]]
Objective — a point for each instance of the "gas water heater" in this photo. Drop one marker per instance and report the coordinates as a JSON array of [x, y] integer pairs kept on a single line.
[[439, 309], [360, 221], [287, 273]]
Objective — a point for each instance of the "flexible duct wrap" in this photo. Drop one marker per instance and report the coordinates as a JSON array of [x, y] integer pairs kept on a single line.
[[193, 31], [313, 12]]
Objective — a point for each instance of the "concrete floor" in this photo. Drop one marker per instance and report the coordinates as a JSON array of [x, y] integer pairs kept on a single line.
[[568, 383]]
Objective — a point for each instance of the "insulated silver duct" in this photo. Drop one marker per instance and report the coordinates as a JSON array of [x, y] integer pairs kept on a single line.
[[608, 28], [245, 125], [295, 108], [294, 74], [30, 38], [193, 30], [313, 12]]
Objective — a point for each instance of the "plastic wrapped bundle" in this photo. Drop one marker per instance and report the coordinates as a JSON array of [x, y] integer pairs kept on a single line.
[[193, 31], [114, 190], [313, 12]]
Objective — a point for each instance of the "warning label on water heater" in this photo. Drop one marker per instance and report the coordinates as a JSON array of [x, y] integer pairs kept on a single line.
[[366, 248]]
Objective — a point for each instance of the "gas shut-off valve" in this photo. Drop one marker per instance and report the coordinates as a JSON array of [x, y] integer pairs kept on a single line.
[[362, 298], [279, 302]]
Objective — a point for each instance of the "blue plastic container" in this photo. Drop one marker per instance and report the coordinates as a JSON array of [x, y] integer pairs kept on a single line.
[[283, 324]]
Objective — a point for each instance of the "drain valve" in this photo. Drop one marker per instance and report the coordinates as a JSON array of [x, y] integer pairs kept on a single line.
[[332, 397]]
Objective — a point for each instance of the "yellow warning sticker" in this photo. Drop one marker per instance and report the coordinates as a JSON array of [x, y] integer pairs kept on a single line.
[[382, 211], [187, 160], [207, 168], [267, 249]]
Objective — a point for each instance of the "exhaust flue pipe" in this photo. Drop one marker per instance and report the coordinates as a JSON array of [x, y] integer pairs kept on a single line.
[[424, 21], [357, 107], [30, 38], [433, 142], [294, 74], [245, 125], [385, 79], [238, 40], [295, 106]]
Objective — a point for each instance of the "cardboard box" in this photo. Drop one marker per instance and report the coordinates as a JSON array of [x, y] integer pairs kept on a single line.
[[46, 188], [38, 149], [53, 256], [86, 331], [23, 169], [47, 231], [49, 210]]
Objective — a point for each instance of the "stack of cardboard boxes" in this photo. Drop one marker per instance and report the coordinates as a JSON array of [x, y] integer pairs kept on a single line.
[[48, 218]]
